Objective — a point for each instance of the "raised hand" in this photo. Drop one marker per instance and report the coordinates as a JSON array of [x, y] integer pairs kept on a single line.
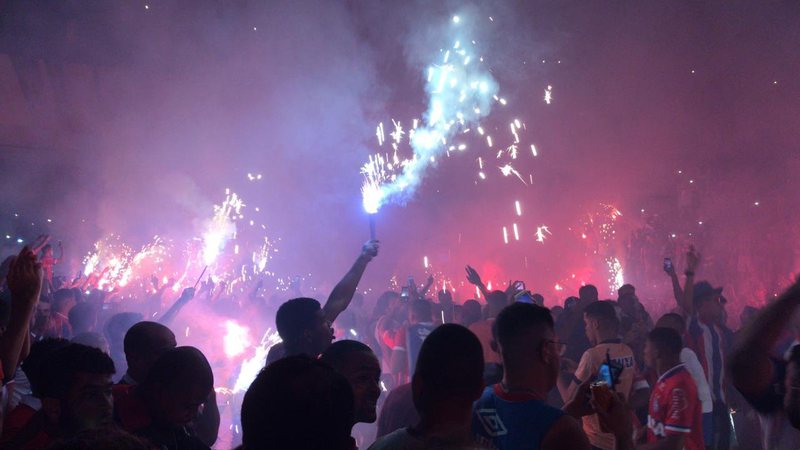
[[692, 259], [370, 249], [25, 278], [187, 294], [473, 277]]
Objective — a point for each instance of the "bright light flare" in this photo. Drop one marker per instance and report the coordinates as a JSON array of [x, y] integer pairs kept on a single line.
[[236, 340]]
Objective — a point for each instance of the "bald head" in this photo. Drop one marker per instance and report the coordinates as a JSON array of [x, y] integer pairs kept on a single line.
[[143, 344]]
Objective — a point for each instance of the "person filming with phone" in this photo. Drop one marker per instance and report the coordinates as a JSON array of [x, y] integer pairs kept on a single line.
[[612, 363]]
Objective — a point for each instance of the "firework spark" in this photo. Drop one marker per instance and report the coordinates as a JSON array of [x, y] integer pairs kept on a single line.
[[460, 93], [541, 233]]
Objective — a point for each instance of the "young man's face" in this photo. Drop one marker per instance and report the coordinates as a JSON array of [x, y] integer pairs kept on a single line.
[[710, 310], [89, 403], [363, 372]]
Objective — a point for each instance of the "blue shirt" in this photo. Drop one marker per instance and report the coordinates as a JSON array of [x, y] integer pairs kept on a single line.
[[512, 420]]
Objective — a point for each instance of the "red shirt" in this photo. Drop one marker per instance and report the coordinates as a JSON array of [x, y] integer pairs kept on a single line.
[[129, 411], [675, 409]]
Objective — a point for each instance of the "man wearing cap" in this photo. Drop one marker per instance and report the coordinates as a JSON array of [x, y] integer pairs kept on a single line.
[[700, 305]]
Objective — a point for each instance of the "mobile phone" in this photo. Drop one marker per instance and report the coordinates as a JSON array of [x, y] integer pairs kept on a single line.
[[519, 285], [609, 372], [604, 374], [667, 264], [524, 297], [404, 293]]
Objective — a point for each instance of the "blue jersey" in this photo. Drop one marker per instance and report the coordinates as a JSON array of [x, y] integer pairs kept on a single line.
[[512, 420], [416, 334]]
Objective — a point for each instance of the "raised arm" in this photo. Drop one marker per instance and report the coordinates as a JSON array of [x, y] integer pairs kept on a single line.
[[692, 263], [25, 284], [38, 244], [343, 293], [750, 364], [427, 287], [474, 278], [677, 290], [173, 311]]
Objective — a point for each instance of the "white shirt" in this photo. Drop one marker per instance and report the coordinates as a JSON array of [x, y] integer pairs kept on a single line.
[[689, 359]]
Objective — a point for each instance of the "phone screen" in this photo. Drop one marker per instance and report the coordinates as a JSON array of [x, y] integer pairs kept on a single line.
[[604, 374], [520, 285], [667, 264], [524, 297], [404, 292]]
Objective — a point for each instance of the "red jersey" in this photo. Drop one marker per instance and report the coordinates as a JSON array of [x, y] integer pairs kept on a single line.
[[675, 409]]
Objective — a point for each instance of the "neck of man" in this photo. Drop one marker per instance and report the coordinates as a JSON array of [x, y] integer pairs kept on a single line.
[[606, 335], [299, 349], [527, 379], [663, 365]]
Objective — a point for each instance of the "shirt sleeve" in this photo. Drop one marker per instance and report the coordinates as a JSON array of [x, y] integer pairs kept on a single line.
[[585, 368], [679, 416]]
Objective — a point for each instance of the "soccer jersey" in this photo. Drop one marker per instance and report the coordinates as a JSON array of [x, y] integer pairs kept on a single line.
[[512, 420], [675, 409], [706, 340], [591, 360]]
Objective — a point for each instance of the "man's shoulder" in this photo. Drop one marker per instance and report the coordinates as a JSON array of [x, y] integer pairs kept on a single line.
[[398, 439]]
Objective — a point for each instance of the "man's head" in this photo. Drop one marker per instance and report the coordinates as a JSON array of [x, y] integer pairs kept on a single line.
[[449, 370], [358, 363], [303, 327], [706, 301], [525, 338], [538, 299], [601, 321], [421, 311], [299, 403], [83, 318], [674, 321], [497, 300], [445, 297], [588, 293], [662, 349], [626, 289], [470, 313], [144, 343], [628, 304], [178, 383], [63, 301], [41, 351], [75, 388]]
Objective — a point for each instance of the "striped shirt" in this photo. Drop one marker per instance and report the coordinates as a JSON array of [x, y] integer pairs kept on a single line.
[[706, 341]]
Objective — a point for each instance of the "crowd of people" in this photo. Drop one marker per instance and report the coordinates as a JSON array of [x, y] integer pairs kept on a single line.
[[501, 371]]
